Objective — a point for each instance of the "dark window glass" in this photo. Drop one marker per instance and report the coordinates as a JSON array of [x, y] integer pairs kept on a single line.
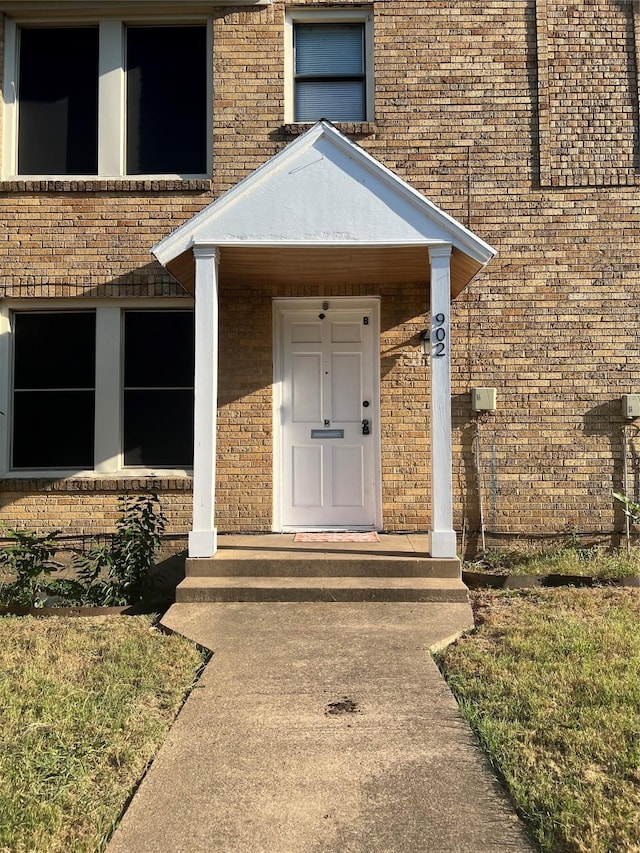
[[166, 100], [159, 348], [53, 429], [158, 428], [330, 72], [158, 388], [58, 101], [54, 350], [54, 390]]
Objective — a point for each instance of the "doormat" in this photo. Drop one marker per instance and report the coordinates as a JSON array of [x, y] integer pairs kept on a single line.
[[366, 536]]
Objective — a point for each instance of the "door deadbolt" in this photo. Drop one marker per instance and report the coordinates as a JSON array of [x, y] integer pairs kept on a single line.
[[365, 427]]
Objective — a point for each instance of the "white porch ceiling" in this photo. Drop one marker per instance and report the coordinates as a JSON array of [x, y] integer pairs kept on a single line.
[[325, 266]]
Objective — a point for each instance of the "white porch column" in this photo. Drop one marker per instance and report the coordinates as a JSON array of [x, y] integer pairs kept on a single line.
[[442, 537], [202, 538]]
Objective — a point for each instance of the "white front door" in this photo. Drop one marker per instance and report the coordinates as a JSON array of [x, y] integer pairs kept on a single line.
[[329, 411]]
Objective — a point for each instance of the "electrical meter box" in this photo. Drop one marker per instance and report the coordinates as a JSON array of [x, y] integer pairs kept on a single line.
[[631, 405], [483, 399]]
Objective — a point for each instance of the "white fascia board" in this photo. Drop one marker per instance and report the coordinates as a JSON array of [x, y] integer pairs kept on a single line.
[[198, 230], [461, 237], [327, 244], [183, 238]]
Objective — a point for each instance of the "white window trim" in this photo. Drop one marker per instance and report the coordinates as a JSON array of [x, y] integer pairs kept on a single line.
[[45, 8], [327, 16], [108, 386], [111, 98]]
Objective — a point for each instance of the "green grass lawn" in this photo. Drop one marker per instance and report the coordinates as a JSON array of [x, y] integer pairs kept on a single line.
[[570, 559], [550, 682], [84, 705]]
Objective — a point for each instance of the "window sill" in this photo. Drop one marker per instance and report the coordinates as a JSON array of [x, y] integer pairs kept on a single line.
[[349, 128], [93, 482], [135, 185]]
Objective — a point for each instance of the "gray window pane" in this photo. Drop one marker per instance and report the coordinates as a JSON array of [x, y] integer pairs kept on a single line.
[[329, 49], [342, 100]]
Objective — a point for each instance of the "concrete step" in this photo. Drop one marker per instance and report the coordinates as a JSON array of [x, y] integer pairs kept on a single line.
[[324, 565], [246, 588]]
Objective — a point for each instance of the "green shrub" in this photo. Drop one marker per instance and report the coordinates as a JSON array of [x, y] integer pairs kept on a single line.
[[118, 573], [29, 558], [112, 574]]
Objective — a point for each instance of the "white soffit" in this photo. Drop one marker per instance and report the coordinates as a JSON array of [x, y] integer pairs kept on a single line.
[[322, 190]]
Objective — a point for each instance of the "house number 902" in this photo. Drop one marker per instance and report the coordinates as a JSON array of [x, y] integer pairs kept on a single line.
[[439, 335]]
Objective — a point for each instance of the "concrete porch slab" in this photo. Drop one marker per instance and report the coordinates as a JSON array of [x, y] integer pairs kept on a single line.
[[277, 554], [253, 545]]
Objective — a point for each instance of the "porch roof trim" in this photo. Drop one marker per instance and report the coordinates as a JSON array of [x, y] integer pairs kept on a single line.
[[322, 190]]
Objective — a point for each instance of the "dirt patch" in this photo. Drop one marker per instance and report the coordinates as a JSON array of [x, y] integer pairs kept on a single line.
[[343, 706]]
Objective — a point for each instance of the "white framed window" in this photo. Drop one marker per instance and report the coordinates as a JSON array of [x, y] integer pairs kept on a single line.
[[329, 56], [111, 99], [98, 389]]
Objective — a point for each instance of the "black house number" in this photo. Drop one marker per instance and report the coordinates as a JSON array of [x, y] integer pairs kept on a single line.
[[439, 335]]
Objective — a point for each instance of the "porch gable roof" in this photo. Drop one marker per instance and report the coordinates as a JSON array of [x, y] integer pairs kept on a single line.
[[323, 190]]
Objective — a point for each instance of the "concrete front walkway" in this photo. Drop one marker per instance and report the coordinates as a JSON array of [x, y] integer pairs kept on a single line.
[[319, 728]]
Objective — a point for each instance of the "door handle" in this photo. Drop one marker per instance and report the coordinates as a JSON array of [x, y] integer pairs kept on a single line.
[[365, 427]]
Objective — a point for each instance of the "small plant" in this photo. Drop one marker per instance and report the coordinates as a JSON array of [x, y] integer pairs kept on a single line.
[[118, 573], [63, 592], [29, 558], [630, 508]]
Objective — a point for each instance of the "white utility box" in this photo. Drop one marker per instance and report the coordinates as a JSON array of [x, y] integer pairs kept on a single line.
[[631, 405], [483, 399]]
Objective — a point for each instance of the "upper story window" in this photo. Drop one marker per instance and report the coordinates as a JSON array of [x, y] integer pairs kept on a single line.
[[107, 99], [331, 66], [58, 101]]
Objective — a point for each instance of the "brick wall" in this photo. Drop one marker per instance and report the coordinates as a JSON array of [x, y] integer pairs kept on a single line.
[[518, 118], [84, 508]]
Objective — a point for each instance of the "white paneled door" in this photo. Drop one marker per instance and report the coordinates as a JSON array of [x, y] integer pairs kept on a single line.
[[329, 417]]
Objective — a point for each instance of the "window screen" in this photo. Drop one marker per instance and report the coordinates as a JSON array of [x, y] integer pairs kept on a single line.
[[166, 100], [329, 72], [54, 389], [158, 388], [58, 101]]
